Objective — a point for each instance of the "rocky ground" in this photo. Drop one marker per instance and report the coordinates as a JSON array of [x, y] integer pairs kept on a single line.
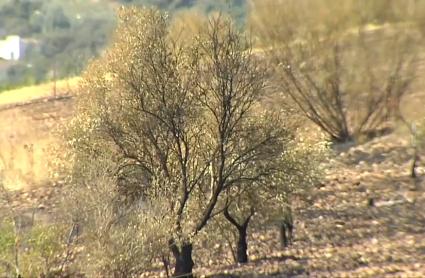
[[367, 219]]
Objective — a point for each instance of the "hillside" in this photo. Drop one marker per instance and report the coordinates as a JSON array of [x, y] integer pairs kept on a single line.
[[31, 93], [337, 233], [61, 36], [28, 118], [363, 216]]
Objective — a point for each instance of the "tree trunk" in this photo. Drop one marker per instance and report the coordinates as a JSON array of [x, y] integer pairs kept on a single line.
[[286, 228], [242, 245], [242, 255], [414, 165], [184, 262], [284, 242]]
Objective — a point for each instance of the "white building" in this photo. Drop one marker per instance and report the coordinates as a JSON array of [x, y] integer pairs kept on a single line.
[[12, 48]]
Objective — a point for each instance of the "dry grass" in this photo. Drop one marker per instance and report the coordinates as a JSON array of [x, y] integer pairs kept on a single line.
[[26, 130], [30, 93], [26, 137]]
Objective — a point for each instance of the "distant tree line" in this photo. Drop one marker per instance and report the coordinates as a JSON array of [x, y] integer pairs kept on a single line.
[[66, 34]]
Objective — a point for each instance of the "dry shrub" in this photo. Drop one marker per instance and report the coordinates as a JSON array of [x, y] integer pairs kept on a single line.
[[116, 238]]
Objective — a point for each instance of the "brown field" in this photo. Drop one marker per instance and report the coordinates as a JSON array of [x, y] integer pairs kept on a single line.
[[337, 234], [27, 123]]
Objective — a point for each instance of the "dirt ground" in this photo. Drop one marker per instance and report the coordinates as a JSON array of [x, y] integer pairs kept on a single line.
[[338, 233], [27, 132]]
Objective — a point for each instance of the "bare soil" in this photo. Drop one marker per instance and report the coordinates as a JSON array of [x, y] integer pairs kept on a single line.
[[338, 232]]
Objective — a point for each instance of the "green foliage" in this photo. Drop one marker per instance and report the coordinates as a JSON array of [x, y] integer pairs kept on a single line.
[[46, 242], [15, 16], [29, 249], [234, 7], [62, 36], [7, 242], [36, 252]]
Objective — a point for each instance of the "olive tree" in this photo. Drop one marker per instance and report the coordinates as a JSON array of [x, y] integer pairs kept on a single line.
[[268, 200], [173, 119], [250, 176]]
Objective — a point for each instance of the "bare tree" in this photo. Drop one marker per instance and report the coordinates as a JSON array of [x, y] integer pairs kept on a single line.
[[349, 90], [348, 78]]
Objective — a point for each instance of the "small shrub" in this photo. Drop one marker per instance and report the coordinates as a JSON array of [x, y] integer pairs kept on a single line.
[[45, 249], [117, 239], [34, 253], [7, 247]]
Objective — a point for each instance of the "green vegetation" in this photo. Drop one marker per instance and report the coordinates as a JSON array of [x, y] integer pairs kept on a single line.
[[27, 248], [62, 36], [36, 252]]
